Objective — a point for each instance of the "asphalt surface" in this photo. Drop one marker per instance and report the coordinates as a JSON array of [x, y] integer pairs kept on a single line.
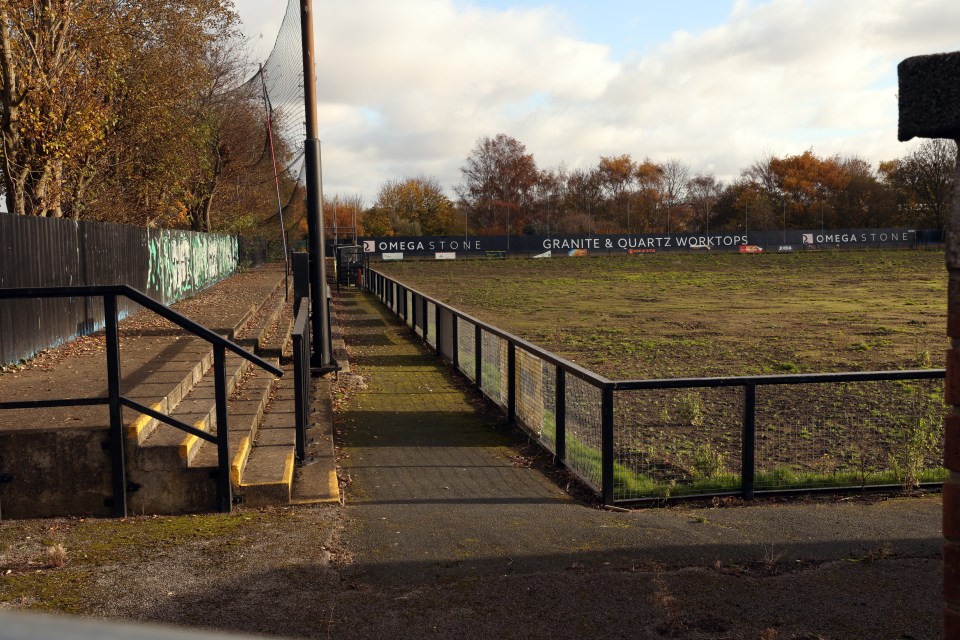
[[451, 531]]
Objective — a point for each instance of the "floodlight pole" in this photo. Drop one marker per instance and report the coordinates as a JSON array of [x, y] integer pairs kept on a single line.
[[320, 321]]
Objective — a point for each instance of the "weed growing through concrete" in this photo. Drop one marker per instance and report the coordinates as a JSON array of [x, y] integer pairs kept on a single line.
[[57, 555]]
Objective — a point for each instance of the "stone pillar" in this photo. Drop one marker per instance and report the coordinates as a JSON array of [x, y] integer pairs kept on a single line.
[[930, 108]]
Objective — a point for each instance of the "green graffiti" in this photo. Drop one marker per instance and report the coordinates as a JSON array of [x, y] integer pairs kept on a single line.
[[181, 263]]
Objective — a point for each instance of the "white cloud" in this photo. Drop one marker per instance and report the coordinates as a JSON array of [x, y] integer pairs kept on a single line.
[[407, 88]]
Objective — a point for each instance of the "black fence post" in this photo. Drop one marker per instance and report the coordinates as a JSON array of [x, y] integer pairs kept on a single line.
[[224, 485], [606, 445], [301, 382], [511, 382], [118, 464], [560, 415], [748, 465]]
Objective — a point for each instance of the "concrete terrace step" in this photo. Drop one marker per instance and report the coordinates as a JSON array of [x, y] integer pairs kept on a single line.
[[167, 447], [252, 335], [163, 382], [244, 413], [268, 477], [170, 464], [276, 341]]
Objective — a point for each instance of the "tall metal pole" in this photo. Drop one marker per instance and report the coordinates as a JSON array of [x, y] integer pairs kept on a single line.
[[320, 321]]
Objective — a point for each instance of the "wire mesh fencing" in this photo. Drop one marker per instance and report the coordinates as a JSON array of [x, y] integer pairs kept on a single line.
[[848, 435], [431, 324], [583, 426], [466, 348], [535, 382], [493, 354], [675, 442]]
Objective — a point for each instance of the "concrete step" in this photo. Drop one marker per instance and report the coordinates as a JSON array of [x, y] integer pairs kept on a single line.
[[254, 332], [176, 472], [244, 413], [167, 447], [162, 384], [276, 342], [249, 330], [268, 477]]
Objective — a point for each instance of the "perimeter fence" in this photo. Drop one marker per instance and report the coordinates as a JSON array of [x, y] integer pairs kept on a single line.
[[656, 440]]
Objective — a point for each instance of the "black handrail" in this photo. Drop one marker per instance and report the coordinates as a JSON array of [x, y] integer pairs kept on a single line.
[[116, 400]]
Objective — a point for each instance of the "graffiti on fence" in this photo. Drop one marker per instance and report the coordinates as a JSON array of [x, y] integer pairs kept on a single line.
[[183, 262]]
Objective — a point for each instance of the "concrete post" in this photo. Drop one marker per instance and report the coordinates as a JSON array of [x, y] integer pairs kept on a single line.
[[930, 108]]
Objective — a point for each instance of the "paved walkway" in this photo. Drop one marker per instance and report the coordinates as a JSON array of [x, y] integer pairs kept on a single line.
[[451, 533]]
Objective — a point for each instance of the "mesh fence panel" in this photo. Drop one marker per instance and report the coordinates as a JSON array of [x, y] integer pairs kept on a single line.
[[535, 396], [583, 411], [431, 326], [408, 298], [851, 434], [494, 368], [466, 353], [673, 442]]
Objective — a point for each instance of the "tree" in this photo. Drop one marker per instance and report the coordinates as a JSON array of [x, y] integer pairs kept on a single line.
[[584, 199], [131, 112], [498, 176], [548, 196], [675, 177], [60, 64], [412, 207], [649, 177], [925, 180], [703, 192], [618, 174]]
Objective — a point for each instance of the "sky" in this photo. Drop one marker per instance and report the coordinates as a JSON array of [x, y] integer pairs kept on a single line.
[[408, 88]]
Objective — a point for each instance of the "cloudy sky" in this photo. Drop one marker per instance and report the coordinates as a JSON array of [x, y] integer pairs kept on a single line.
[[408, 87]]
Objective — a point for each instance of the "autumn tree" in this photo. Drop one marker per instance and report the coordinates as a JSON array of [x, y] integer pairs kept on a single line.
[[617, 174], [548, 202], [649, 179], [498, 177], [343, 216], [60, 68], [412, 207], [132, 112]]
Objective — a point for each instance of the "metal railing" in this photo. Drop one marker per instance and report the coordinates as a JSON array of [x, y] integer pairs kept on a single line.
[[116, 400], [655, 440]]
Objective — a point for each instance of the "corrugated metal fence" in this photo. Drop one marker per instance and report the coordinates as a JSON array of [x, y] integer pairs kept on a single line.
[[167, 265]]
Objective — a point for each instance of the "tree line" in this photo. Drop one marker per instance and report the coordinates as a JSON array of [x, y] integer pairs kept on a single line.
[[144, 112], [504, 191], [135, 111]]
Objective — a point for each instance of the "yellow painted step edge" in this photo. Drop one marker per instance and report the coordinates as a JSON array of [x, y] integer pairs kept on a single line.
[[239, 460], [137, 426], [191, 442]]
